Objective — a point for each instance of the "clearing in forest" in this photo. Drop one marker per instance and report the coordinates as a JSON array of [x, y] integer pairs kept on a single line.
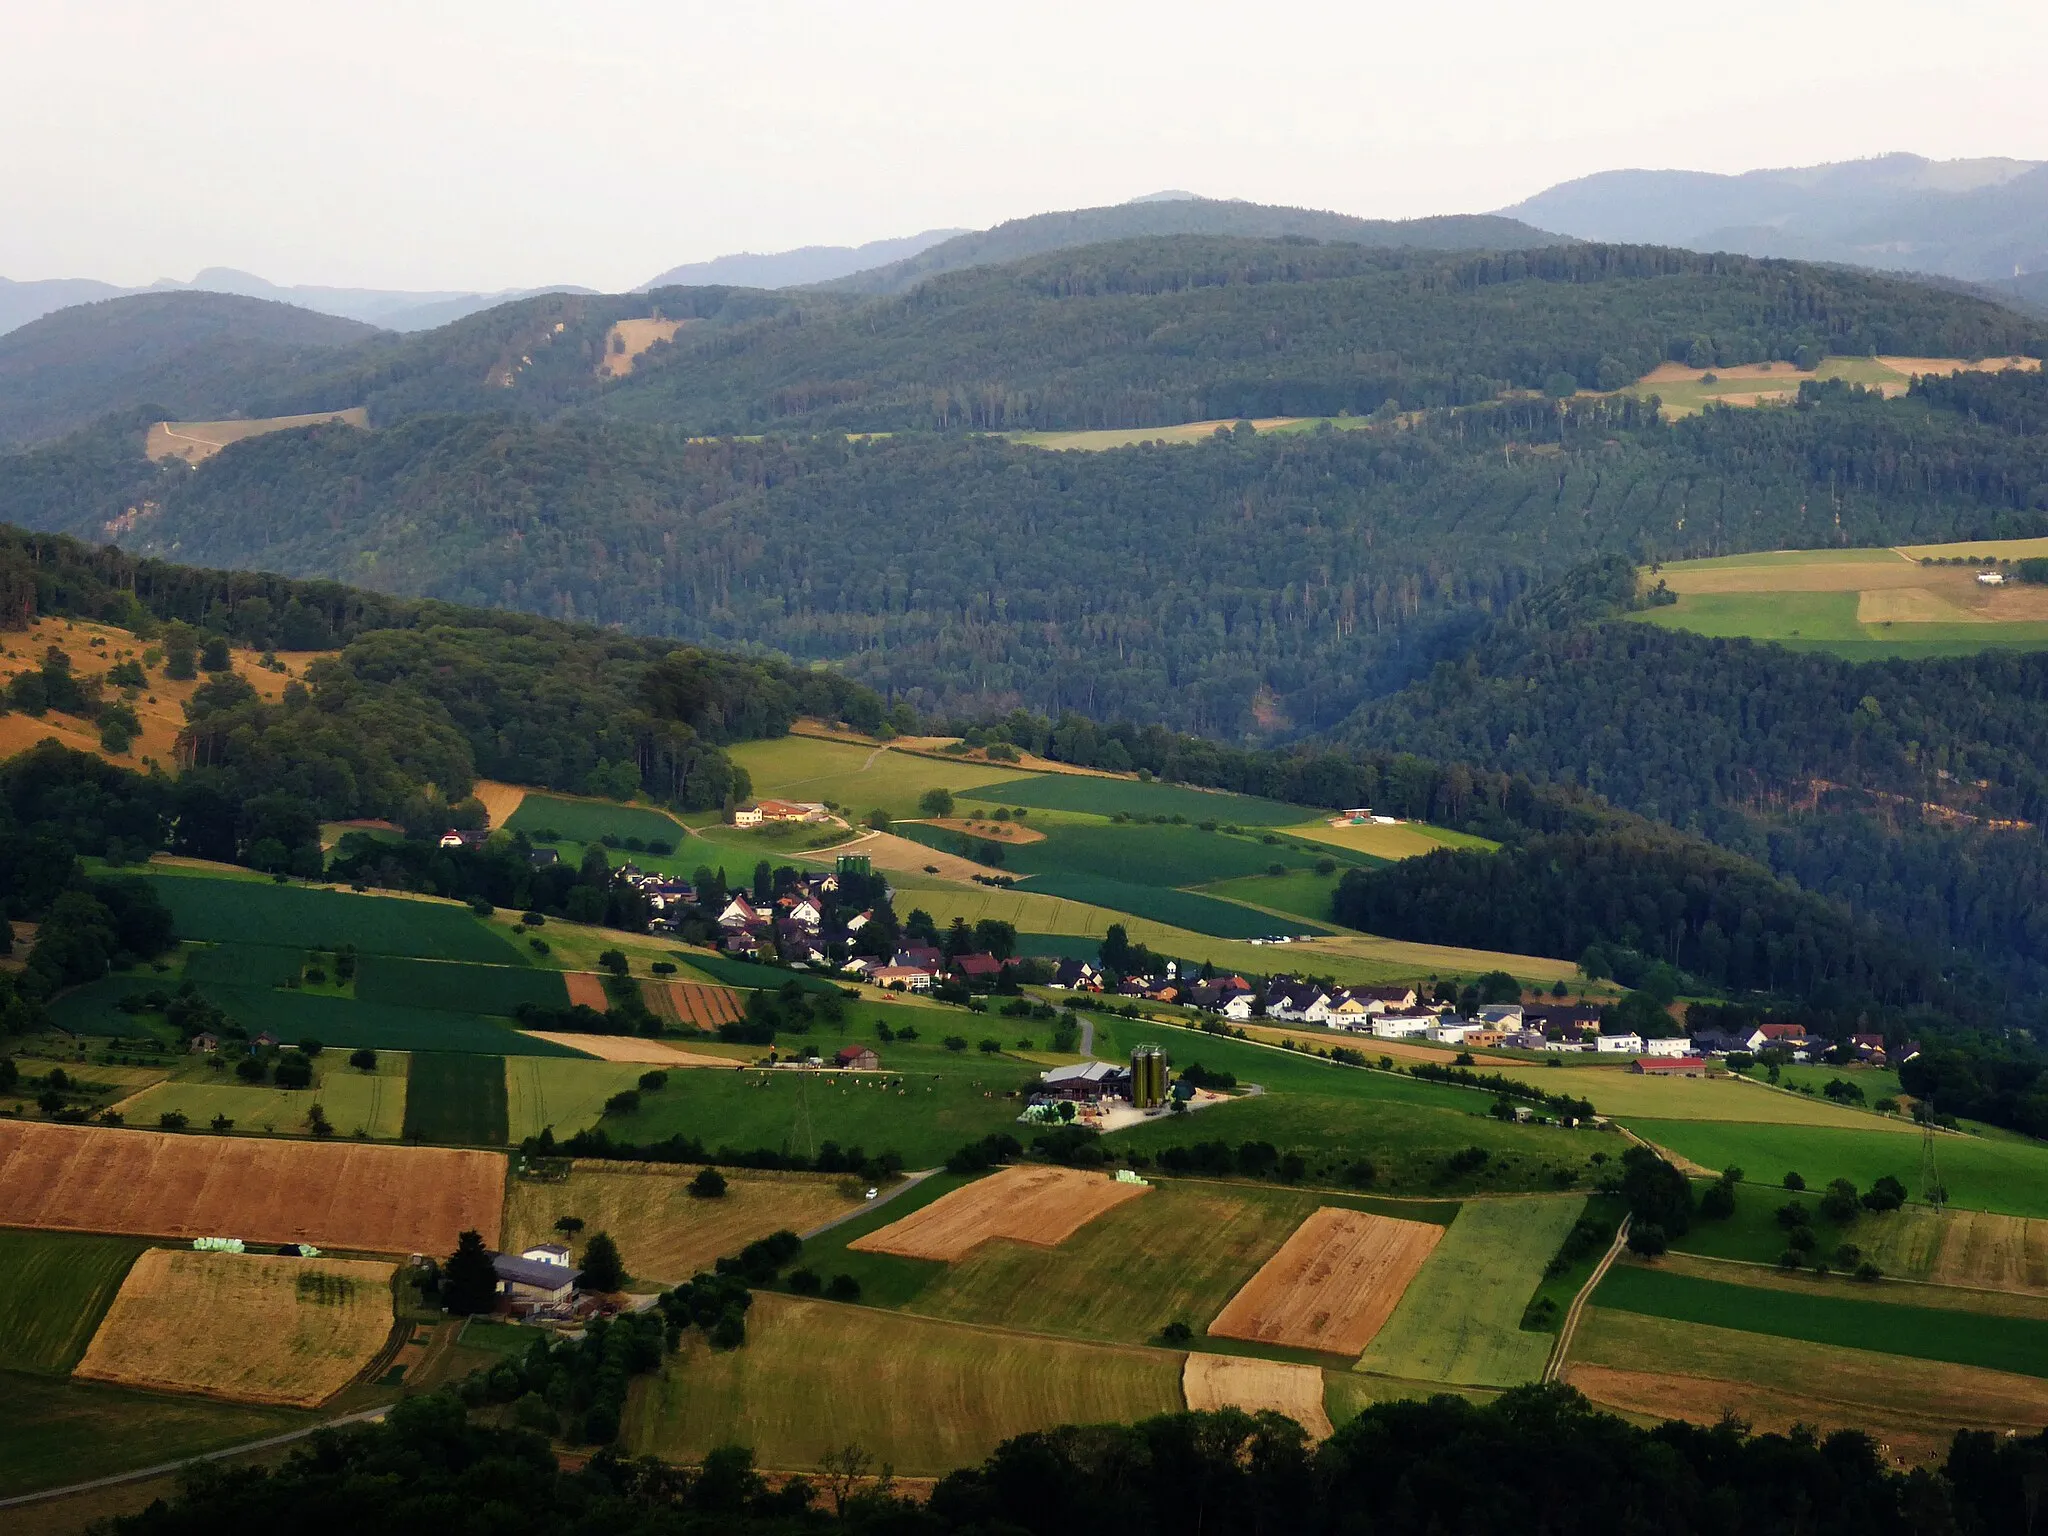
[[252, 1328], [1044, 1206], [1332, 1284], [1238, 1381], [628, 339], [197, 441]]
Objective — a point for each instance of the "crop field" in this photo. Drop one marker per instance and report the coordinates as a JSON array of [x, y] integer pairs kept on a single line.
[[1039, 1205], [1461, 1319], [693, 1005], [370, 1198], [1154, 855], [1619, 1092], [457, 1098], [197, 441], [346, 1023], [1371, 840], [1300, 893], [1099, 440], [1980, 1173], [1332, 1285], [296, 917], [748, 976], [355, 1102], [861, 778], [567, 1096], [1094, 796], [590, 821], [253, 1328], [1189, 911], [664, 1232], [244, 965], [639, 1048], [1665, 1369], [1686, 391], [931, 1396], [1829, 1316], [1210, 1382], [587, 988], [59, 1286], [53, 1433], [1967, 1248], [1179, 1253], [448, 987]]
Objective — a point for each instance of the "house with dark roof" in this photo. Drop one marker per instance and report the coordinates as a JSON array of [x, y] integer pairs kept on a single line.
[[541, 1274]]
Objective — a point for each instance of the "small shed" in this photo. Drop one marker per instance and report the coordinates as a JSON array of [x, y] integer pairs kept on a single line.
[[857, 1058]]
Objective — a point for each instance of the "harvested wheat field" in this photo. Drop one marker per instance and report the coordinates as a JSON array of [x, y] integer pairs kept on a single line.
[[1969, 1248], [587, 988], [376, 1199], [1333, 1283], [627, 339], [693, 1004], [1045, 1206], [1235, 1381], [499, 800], [197, 441], [253, 1328], [664, 1232], [630, 1048]]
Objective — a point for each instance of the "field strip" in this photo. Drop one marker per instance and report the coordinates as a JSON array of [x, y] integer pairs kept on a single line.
[[630, 1048], [587, 988], [1210, 1382], [1332, 1285], [1043, 1206]]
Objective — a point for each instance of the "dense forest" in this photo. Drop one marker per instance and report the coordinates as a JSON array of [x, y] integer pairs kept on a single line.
[[1241, 587], [1539, 1459]]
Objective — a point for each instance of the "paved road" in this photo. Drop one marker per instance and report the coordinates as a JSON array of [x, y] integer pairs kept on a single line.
[[910, 1182], [1087, 1035]]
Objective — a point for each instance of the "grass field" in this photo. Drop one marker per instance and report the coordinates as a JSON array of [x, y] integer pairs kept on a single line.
[[1179, 1253], [861, 778], [1106, 797], [58, 1432], [1664, 1369], [244, 965], [930, 1395], [345, 1023], [2008, 1177], [1685, 391], [1619, 1092], [456, 1099], [297, 917], [590, 821], [664, 1232], [59, 1285], [1460, 1320], [1828, 1316], [456, 988], [252, 1328], [1135, 854], [1402, 841], [1301, 893], [1189, 911], [369, 1103], [566, 1095], [197, 441], [1969, 1248]]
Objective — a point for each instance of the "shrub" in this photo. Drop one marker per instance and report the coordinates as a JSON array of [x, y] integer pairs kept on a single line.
[[805, 1282], [363, 1059], [1794, 1182], [708, 1185], [625, 1102], [1647, 1239], [1887, 1194], [843, 1288], [1176, 1332]]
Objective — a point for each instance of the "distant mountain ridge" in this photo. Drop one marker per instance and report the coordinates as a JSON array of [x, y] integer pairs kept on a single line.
[[792, 269], [1978, 220]]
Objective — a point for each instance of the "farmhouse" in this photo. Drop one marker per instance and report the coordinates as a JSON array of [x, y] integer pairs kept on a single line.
[[792, 810], [857, 1058], [1087, 1083], [541, 1274], [1789, 1037], [205, 1040], [1669, 1066], [1077, 976], [455, 839], [747, 816]]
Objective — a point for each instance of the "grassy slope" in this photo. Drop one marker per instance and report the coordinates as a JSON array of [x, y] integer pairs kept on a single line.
[[922, 1396], [587, 821], [303, 918], [567, 1095], [1107, 796], [1460, 1319], [457, 988], [861, 778], [58, 1287], [57, 1432], [458, 1099], [373, 1102]]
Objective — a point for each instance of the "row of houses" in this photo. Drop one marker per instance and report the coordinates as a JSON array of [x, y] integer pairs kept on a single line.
[[792, 924], [919, 968]]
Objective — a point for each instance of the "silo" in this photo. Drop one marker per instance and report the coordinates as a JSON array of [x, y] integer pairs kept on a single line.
[[1148, 1077]]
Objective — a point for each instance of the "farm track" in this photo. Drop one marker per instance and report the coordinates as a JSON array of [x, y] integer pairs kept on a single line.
[[1582, 1300]]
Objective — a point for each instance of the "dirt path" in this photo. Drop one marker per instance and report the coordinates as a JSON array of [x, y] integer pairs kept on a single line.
[[1579, 1302]]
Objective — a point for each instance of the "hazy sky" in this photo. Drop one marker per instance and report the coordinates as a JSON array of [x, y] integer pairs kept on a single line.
[[452, 144]]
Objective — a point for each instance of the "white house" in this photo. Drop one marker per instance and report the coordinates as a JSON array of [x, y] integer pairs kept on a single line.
[[1679, 1045], [1299, 1002], [1403, 1026], [1620, 1045], [1451, 1031], [747, 816], [807, 912], [738, 913], [1990, 578], [1239, 1008]]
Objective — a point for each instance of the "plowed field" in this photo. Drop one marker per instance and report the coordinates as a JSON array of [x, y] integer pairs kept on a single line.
[[1045, 1206], [587, 988], [692, 1004], [1332, 1284]]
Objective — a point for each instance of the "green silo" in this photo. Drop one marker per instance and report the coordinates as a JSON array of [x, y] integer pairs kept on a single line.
[[1148, 1077]]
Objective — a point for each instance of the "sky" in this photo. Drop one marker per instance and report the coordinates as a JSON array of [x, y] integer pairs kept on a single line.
[[446, 144]]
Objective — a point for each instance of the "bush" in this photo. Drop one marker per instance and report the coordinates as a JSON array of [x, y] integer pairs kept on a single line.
[[708, 1185], [1839, 1203], [1647, 1239], [653, 1082], [533, 919], [624, 1102], [1887, 1194], [843, 1288], [1867, 1272], [1791, 1258], [805, 1282], [1794, 1182], [1793, 1213], [1176, 1332]]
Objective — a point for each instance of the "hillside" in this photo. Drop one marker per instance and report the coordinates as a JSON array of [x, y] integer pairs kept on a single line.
[[805, 264], [1973, 219], [1040, 234], [196, 355]]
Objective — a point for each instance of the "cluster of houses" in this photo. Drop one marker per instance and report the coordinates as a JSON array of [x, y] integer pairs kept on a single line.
[[779, 812], [919, 968], [792, 924]]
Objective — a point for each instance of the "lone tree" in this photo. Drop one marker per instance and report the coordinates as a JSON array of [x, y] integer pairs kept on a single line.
[[468, 1283], [936, 803], [602, 1268], [708, 1185]]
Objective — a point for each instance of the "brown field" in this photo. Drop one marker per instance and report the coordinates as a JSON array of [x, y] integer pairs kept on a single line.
[[1043, 1206], [627, 339], [375, 1199], [994, 831], [238, 1326], [587, 988], [1234, 1381], [197, 441], [899, 855], [1333, 1283], [499, 800], [664, 1232], [1912, 366], [632, 1048], [693, 1004], [1961, 1248]]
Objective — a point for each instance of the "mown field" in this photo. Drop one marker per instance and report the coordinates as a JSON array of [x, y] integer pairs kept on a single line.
[[921, 1395], [1372, 840], [57, 1432], [301, 918], [1106, 797], [591, 821], [457, 1099], [861, 778], [58, 1287], [568, 1096], [355, 1102], [1460, 1320], [1617, 1091], [1300, 893]]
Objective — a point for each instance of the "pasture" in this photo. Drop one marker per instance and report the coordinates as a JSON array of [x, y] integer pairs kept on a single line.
[[640, 1048], [197, 441], [303, 918], [362, 1196], [59, 1286], [459, 1099], [578, 820], [1332, 1285], [252, 1328], [1373, 840], [930, 1396], [1103, 796], [54, 1433], [1460, 1320], [858, 776], [370, 1104], [1618, 1092], [1038, 1205], [563, 1096], [453, 987], [1189, 911], [664, 1232], [1300, 893], [1209, 1382], [1980, 1173], [1133, 853], [1685, 391]]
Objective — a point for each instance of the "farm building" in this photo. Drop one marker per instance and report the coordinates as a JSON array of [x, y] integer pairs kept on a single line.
[[541, 1273], [1077, 976], [1789, 1037], [205, 1040], [1669, 1066], [1677, 1045], [747, 816], [1086, 1083], [793, 810], [857, 1058]]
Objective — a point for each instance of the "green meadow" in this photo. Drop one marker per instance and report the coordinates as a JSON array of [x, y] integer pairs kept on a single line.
[[1106, 797], [295, 917], [590, 821], [59, 1286]]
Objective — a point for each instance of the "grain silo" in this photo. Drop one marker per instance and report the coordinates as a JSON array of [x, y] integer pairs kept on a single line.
[[1148, 1077]]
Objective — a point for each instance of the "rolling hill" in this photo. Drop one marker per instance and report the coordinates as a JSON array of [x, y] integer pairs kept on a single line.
[[805, 264]]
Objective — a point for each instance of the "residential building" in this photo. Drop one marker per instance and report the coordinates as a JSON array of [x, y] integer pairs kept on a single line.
[[1619, 1045], [1501, 1015], [747, 816], [1676, 1045], [901, 978], [541, 1273]]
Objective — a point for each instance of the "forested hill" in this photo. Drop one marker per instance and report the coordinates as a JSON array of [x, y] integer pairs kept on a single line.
[[1249, 585], [1040, 233]]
